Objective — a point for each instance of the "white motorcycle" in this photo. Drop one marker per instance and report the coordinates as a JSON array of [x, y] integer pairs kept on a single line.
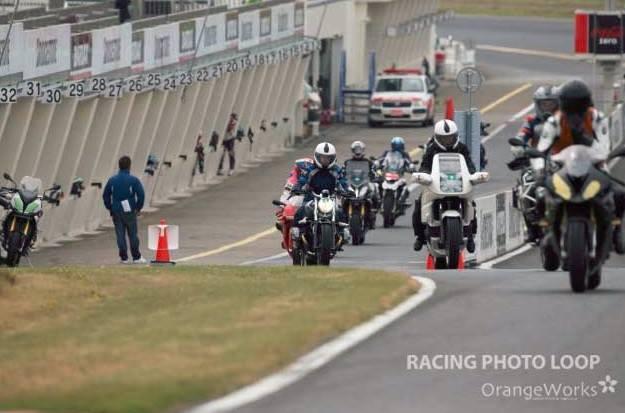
[[447, 213]]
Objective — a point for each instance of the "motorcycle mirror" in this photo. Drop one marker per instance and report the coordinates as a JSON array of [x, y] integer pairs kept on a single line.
[[617, 153], [277, 203], [7, 177], [516, 142]]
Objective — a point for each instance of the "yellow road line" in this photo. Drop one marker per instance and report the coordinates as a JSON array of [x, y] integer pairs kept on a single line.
[[506, 97], [248, 240], [527, 52]]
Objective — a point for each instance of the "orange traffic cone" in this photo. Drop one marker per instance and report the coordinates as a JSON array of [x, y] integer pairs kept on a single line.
[[449, 108], [162, 250], [461, 261], [429, 263]]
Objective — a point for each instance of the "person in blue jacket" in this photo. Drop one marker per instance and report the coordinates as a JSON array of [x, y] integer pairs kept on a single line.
[[123, 197]]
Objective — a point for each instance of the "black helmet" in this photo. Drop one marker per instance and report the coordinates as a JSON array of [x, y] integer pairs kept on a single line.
[[575, 97]]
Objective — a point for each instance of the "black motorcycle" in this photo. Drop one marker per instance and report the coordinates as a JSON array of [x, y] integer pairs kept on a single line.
[[359, 206]]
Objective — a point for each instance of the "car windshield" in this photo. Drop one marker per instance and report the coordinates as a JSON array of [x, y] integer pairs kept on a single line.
[[400, 84], [357, 172], [393, 162]]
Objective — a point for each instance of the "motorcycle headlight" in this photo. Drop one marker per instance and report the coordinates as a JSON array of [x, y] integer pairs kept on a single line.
[[591, 190], [562, 189], [325, 206]]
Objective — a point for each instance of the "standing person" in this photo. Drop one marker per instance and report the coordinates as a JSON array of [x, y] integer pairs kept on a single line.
[[199, 155], [123, 197], [228, 144], [124, 13]]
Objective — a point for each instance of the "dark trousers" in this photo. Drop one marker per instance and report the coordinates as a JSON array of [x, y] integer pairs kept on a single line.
[[229, 149], [126, 224]]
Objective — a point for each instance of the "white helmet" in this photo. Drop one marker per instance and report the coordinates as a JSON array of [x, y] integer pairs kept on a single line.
[[446, 134], [325, 155], [358, 149]]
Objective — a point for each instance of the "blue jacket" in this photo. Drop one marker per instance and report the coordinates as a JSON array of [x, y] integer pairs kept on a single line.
[[314, 179], [121, 187]]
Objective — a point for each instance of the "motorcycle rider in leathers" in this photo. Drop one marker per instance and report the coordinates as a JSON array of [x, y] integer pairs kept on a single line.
[[358, 155], [579, 123]]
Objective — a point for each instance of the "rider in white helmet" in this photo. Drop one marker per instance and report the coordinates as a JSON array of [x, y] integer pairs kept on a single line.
[[445, 140]]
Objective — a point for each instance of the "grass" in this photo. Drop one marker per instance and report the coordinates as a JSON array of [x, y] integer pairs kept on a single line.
[[121, 340], [533, 8]]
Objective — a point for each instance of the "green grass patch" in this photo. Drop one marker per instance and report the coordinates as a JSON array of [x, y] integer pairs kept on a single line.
[[120, 340], [533, 8]]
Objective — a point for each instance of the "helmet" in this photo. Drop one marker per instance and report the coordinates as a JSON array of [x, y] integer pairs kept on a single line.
[[446, 134], [575, 97], [325, 155], [398, 144], [546, 101], [358, 149]]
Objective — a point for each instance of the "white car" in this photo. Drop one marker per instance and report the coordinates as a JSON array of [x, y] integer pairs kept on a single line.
[[402, 96]]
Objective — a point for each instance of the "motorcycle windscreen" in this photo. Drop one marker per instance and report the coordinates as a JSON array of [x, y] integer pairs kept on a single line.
[[357, 173], [393, 162], [30, 184], [450, 171]]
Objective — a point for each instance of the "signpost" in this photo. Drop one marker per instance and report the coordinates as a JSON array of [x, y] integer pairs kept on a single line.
[[469, 81]]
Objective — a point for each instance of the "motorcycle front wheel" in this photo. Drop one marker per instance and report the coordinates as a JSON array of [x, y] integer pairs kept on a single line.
[[388, 207], [577, 255], [326, 244], [453, 241], [355, 228], [14, 249]]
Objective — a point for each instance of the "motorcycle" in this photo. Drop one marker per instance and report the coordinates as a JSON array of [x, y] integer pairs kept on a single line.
[[321, 240], [524, 194], [285, 214], [576, 193], [25, 206], [393, 188], [448, 221], [359, 206]]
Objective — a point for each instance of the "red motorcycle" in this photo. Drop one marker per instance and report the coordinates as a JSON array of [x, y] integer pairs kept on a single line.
[[286, 214]]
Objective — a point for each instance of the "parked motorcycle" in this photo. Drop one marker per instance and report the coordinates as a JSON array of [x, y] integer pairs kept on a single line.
[[394, 188], [285, 214], [25, 206], [577, 194], [323, 235], [448, 221], [359, 206], [524, 194]]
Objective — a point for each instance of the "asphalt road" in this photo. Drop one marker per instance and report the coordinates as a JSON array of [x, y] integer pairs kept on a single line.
[[514, 308]]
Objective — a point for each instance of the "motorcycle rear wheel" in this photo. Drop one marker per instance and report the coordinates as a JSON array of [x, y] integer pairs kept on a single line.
[[577, 255]]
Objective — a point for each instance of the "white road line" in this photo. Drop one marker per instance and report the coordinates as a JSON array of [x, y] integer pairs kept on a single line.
[[318, 357], [522, 113], [495, 132], [527, 52], [488, 265], [501, 127], [270, 258]]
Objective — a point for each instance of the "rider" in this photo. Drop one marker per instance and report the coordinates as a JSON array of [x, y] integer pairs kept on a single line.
[[546, 104], [323, 174], [398, 144], [296, 171], [358, 155], [579, 123], [445, 140]]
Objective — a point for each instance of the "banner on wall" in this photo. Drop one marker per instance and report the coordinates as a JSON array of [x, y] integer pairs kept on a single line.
[[13, 49], [299, 19], [161, 45], [47, 51], [212, 38], [265, 26], [282, 20], [112, 48], [232, 30], [137, 58], [186, 40], [249, 29], [81, 55]]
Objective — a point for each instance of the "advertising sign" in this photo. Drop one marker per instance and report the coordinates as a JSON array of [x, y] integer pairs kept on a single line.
[[161, 45], [187, 40], [112, 48], [13, 49], [299, 20], [265, 25], [137, 56], [599, 33], [81, 55], [282, 20], [232, 30], [47, 51]]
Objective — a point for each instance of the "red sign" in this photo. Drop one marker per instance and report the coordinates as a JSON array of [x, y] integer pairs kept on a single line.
[[599, 33]]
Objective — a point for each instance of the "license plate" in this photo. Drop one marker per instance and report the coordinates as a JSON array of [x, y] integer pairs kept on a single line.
[[397, 112]]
